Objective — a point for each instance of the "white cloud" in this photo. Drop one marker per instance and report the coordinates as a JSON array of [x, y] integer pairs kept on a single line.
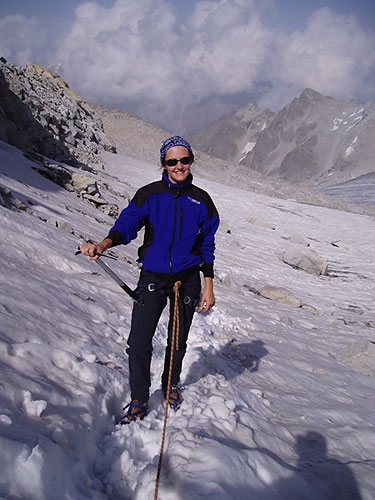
[[139, 55], [139, 52], [331, 56], [123, 53], [227, 48], [21, 38]]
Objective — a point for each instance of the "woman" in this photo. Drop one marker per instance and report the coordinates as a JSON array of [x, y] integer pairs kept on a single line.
[[180, 222]]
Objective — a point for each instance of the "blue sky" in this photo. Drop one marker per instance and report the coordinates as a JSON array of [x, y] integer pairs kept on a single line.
[[181, 63], [294, 13], [290, 13]]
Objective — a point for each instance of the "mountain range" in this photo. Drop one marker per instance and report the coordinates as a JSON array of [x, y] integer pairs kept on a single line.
[[311, 145], [314, 139]]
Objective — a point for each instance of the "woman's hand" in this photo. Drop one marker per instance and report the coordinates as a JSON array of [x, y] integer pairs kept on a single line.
[[208, 299], [94, 250]]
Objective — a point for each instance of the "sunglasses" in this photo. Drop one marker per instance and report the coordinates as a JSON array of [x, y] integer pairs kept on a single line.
[[186, 160]]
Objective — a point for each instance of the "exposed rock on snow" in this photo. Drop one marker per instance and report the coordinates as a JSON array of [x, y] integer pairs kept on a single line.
[[9, 200], [84, 186], [306, 259], [360, 355], [279, 294]]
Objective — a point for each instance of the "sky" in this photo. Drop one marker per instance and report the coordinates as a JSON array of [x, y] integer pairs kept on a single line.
[[278, 397], [182, 64]]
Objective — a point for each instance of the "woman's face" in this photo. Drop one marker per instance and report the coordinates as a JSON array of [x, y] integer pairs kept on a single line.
[[179, 173]]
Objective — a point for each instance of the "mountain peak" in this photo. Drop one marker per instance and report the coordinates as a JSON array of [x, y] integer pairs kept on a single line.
[[314, 139]]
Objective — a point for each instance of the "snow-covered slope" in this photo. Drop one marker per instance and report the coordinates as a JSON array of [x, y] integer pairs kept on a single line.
[[278, 399]]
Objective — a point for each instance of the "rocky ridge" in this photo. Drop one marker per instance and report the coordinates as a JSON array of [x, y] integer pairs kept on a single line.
[[41, 113]]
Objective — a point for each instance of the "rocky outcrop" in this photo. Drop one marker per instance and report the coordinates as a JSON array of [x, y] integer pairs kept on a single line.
[[40, 113], [84, 186]]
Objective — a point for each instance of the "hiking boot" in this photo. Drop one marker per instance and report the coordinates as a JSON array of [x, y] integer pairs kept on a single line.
[[174, 397], [133, 411]]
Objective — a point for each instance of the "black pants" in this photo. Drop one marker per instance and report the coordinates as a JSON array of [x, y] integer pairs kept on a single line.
[[144, 322]]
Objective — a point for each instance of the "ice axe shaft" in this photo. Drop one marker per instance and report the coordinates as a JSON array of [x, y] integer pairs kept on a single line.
[[118, 280]]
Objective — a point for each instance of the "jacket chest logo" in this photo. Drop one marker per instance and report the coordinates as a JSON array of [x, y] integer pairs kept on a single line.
[[193, 200]]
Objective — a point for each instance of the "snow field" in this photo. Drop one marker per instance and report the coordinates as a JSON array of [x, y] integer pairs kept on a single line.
[[269, 410]]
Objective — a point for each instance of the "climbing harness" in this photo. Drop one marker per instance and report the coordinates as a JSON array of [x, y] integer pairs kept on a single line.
[[154, 287], [174, 346]]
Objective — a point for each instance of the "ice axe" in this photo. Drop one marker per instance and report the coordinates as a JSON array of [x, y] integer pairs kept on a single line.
[[118, 280]]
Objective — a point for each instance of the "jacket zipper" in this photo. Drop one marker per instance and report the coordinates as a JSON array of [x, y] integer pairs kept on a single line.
[[181, 220], [174, 235]]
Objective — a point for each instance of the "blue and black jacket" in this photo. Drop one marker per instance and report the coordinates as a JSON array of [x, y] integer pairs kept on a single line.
[[180, 222]]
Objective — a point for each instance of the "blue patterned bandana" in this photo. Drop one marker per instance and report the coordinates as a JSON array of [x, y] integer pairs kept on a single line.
[[171, 143]]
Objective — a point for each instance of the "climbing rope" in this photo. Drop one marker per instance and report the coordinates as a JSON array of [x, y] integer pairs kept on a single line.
[[174, 346]]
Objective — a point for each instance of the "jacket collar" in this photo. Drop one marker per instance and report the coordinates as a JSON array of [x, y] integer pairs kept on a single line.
[[179, 187]]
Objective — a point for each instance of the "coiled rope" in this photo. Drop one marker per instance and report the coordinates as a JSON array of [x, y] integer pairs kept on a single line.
[[174, 346]]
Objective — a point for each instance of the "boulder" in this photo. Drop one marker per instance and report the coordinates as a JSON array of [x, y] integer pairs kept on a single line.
[[360, 355], [279, 294], [306, 259]]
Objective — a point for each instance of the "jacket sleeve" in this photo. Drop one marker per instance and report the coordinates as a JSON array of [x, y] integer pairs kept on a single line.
[[209, 229], [129, 222]]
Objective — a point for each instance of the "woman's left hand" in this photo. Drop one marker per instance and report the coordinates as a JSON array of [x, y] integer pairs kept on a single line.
[[208, 299]]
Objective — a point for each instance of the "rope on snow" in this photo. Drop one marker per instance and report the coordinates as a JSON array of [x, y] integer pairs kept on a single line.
[[174, 346]]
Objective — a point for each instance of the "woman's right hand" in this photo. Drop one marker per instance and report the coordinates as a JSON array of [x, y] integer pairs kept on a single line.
[[92, 250]]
